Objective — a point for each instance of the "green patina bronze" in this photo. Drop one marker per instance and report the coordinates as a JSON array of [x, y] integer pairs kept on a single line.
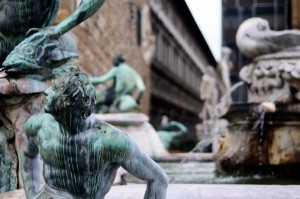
[[26, 65], [42, 58], [38, 60], [126, 91], [81, 154], [168, 130], [17, 17]]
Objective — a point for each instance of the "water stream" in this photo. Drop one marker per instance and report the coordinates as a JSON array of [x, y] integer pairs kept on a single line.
[[225, 100], [211, 129], [258, 126]]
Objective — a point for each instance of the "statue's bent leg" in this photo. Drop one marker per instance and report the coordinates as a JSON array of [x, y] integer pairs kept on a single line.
[[101, 105]]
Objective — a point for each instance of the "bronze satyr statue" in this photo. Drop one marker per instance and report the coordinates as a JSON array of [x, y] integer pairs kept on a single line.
[[126, 91], [80, 153]]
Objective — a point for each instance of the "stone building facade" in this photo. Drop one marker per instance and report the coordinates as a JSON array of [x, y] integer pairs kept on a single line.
[[161, 40], [181, 57], [295, 10], [112, 30]]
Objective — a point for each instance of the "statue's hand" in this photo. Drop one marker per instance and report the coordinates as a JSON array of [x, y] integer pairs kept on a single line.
[[49, 32]]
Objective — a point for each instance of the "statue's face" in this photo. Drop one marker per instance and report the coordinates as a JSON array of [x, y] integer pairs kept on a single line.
[[51, 97]]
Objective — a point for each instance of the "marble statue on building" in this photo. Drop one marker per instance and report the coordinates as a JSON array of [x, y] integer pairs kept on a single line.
[[214, 85], [168, 130], [148, 37], [223, 71], [80, 153], [126, 91], [25, 73], [208, 93]]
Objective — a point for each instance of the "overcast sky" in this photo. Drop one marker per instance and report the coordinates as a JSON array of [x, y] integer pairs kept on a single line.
[[207, 14]]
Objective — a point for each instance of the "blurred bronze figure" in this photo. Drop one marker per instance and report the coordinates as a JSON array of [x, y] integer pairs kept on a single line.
[[126, 91]]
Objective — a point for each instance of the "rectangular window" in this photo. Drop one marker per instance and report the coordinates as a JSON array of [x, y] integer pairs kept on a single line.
[[138, 26]]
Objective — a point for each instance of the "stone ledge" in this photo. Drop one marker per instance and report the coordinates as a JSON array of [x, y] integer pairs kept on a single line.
[[193, 191], [123, 118], [185, 157]]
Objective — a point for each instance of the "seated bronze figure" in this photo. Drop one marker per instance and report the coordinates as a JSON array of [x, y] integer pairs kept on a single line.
[[80, 153]]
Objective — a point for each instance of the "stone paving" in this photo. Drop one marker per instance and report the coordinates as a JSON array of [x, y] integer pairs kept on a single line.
[[193, 191]]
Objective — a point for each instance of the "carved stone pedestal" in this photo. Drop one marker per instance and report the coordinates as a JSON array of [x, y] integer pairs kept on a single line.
[[261, 143]]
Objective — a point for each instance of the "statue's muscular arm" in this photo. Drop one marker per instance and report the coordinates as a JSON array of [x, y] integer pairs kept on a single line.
[[104, 78], [85, 10], [30, 166], [140, 165]]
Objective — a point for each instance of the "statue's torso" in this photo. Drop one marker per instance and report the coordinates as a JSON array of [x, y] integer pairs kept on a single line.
[[126, 79], [76, 164]]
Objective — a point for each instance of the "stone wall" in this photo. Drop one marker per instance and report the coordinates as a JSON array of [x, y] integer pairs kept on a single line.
[[295, 14], [111, 31]]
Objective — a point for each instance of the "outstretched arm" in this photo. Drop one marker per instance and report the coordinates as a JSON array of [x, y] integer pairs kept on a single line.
[[85, 10], [141, 166], [181, 128], [104, 78]]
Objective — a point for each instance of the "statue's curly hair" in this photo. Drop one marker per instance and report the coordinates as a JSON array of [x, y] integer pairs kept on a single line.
[[76, 92]]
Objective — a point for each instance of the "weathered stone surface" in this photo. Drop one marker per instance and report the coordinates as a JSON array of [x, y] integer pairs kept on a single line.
[[285, 146], [4, 84], [261, 143], [192, 191], [262, 135], [21, 86], [20, 194], [272, 77]]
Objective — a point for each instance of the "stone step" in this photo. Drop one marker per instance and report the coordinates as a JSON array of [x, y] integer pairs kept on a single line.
[[185, 157], [200, 191]]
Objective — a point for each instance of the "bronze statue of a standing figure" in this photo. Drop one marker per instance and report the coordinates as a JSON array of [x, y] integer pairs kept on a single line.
[[21, 96]]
